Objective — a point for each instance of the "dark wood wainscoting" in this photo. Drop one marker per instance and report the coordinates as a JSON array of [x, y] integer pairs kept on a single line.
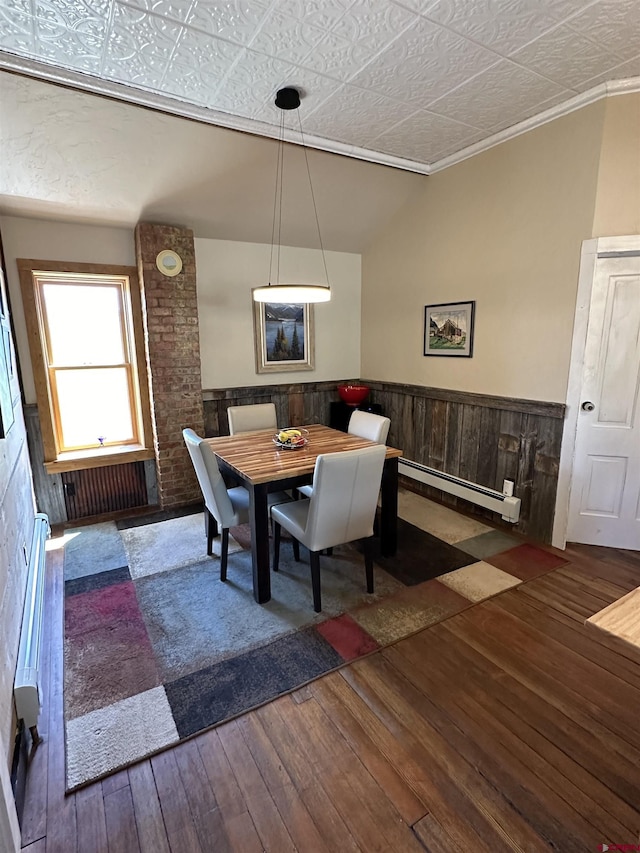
[[47, 487], [296, 404], [481, 438]]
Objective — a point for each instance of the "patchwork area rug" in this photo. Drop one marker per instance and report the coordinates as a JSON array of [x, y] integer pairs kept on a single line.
[[158, 649]]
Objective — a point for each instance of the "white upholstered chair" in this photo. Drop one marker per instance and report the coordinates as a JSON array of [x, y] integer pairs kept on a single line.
[[341, 509], [224, 507], [370, 426], [252, 417], [365, 425]]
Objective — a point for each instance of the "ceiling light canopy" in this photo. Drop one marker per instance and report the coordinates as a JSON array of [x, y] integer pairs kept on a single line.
[[289, 99]]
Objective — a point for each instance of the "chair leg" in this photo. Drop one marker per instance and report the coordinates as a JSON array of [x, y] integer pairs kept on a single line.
[[224, 550], [368, 562], [276, 546], [296, 550], [211, 530], [314, 559]]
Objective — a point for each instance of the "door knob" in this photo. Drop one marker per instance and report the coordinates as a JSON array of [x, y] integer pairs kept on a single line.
[[587, 406]]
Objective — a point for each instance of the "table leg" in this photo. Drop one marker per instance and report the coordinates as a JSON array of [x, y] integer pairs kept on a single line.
[[389, 508], [259, 518]]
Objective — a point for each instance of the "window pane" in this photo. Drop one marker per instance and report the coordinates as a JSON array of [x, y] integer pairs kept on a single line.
[[94, 403], [84, 324]]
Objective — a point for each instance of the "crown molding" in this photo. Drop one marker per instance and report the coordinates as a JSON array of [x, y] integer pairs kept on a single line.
[[602, 90], [181, 109]]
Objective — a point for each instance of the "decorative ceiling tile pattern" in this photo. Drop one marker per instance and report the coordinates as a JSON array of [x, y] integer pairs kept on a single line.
[[411, 82]]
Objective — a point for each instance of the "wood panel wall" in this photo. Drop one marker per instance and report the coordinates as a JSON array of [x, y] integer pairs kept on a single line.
[[47, 487], [481, 438], [296, 404]]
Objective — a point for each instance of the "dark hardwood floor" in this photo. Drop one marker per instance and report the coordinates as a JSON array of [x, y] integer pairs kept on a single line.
[[506, 727]]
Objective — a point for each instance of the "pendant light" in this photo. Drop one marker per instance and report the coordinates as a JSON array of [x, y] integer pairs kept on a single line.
[[289, 99]]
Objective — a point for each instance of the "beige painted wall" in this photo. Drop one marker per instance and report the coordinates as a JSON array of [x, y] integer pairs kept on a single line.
[[504, 229], [617, 210], [226, 273]]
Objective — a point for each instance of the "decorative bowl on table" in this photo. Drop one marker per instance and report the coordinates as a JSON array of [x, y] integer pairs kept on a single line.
[[291, 438], [353, 395]]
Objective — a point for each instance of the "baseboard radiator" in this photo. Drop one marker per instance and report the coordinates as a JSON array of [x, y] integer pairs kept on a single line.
[[507, 506], [26, 689]]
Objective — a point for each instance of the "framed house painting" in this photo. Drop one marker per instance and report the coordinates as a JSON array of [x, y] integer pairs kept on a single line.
[[448, 329], [284, 338]]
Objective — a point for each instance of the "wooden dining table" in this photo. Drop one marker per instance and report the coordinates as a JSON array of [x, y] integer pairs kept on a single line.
[[253, 460]]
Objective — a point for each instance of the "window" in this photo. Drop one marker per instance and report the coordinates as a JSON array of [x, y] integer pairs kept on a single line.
[[85, 333]]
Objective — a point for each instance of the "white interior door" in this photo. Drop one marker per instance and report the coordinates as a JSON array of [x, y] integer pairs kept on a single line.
[[604, 504]]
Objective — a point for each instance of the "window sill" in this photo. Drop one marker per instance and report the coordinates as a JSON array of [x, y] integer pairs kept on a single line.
[[82, 459]]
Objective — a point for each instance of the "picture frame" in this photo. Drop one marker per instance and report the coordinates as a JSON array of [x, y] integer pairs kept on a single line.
[[283, 337], [448, 329]]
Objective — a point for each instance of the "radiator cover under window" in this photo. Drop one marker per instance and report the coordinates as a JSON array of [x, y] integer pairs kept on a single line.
[[95, 491]]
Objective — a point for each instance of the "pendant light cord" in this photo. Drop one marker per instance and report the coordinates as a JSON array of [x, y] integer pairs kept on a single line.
[[288, 99], [313, 199], [277, 204]]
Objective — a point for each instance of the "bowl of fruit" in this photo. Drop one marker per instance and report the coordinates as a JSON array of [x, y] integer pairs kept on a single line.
[[291, 438]]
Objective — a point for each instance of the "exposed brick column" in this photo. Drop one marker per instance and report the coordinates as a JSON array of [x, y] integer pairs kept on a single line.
[[170, 312]]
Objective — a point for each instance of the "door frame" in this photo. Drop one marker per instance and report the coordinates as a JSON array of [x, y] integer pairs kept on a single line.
[[591, 249]]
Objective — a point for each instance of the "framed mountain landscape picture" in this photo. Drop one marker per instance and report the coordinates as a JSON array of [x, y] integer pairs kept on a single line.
[[283, 337], [448, 329]]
